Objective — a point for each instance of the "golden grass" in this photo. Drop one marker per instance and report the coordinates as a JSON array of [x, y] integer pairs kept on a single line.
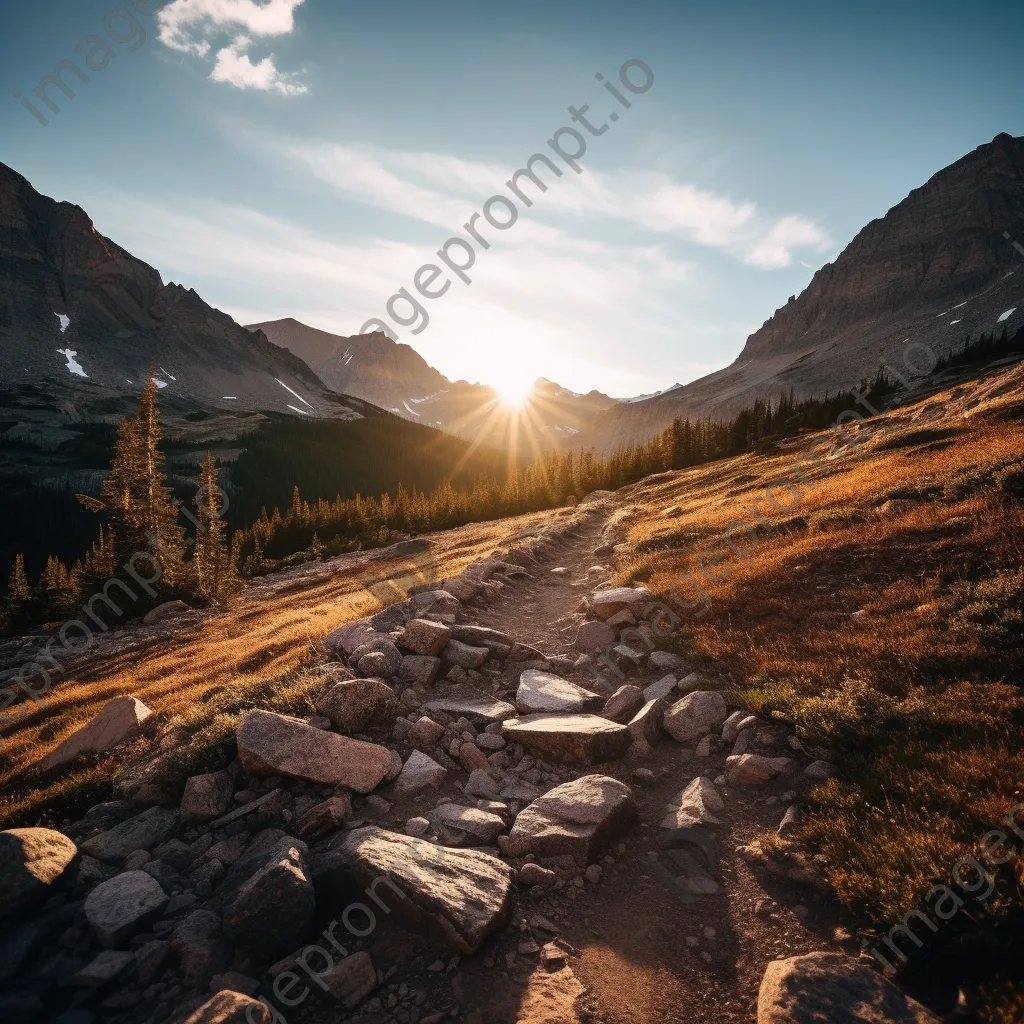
[[204, 674], [918, 697]]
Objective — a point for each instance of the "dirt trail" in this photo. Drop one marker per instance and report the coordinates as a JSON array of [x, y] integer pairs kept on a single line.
[[641, 953]]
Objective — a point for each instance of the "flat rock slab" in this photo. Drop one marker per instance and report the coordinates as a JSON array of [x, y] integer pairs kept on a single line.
[[118, 720], [481, 826], [835, 988], [272, 744], [460, 896], [31, 860], [479, 710], [123, 906], [143, 832], [607, 603], [569, 739], [545, 692], [577, 819]]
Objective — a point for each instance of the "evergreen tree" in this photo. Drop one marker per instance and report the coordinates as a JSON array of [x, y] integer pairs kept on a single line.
[[214, 567]]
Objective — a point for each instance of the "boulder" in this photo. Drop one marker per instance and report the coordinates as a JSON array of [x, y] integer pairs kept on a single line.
[[481, 784], [105, 968], [463, 588], [423, 636], [730, 728], [165, 612], [31, 861], [753, 769], [698, 803], [623, 704], [354, 705], [419, 774], [207, 796], [197, 944], [577, 819], [836, 988], [325, 817], [544, 692], [272, 910], [267, 847], [230, 1008], [463, 656], [146, 830], [481, 826], [351, 636], [377, 657], [123, 906], [819, 771], [481, 711], [664, 661], [594, 636], [695, 715], [118, 720], [419, 670], [425, 732], [352, 979], [569, 739], [606, 603], [273, 744], [460, 896], [661, 689]]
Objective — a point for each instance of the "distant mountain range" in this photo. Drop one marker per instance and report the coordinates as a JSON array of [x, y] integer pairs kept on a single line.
[[936, 268], [396, 377]]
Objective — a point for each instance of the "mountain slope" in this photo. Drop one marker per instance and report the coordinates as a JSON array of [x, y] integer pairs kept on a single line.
[[934, 269], [396, 377], [86, 319]]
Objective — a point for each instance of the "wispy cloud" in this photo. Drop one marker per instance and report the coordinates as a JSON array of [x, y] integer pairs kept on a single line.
[[203, 27]]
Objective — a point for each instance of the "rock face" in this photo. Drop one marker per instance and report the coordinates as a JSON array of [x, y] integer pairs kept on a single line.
[[544, 692], [31, 860], [272, 910], [119, 720], [900, 278], [121, 316], [356, 704], [577, 819], [569, 739], [460, 896], [695, 715], [835, 988], [118, 909], [272, 744]]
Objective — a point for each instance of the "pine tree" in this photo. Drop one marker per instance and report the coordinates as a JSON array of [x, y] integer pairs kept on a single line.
[[18, 591], [57, 590], [212, 562]]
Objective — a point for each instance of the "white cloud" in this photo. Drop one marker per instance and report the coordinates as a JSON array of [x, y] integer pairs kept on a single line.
[[775, 248], [235, 67], [198, 27]]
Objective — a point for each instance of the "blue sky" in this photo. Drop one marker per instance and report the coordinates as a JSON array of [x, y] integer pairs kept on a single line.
[[304, 157]]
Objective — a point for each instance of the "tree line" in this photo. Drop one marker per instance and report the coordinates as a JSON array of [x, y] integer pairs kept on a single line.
[[200, 565]]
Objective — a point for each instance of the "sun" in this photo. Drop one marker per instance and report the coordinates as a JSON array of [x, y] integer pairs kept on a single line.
[[514, 389]]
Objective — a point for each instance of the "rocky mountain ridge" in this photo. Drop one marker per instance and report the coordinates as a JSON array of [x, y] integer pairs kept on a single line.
[[939, 266]]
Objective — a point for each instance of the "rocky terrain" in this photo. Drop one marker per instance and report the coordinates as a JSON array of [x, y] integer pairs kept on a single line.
[[507, 804], [939, 266], [397, 378]]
